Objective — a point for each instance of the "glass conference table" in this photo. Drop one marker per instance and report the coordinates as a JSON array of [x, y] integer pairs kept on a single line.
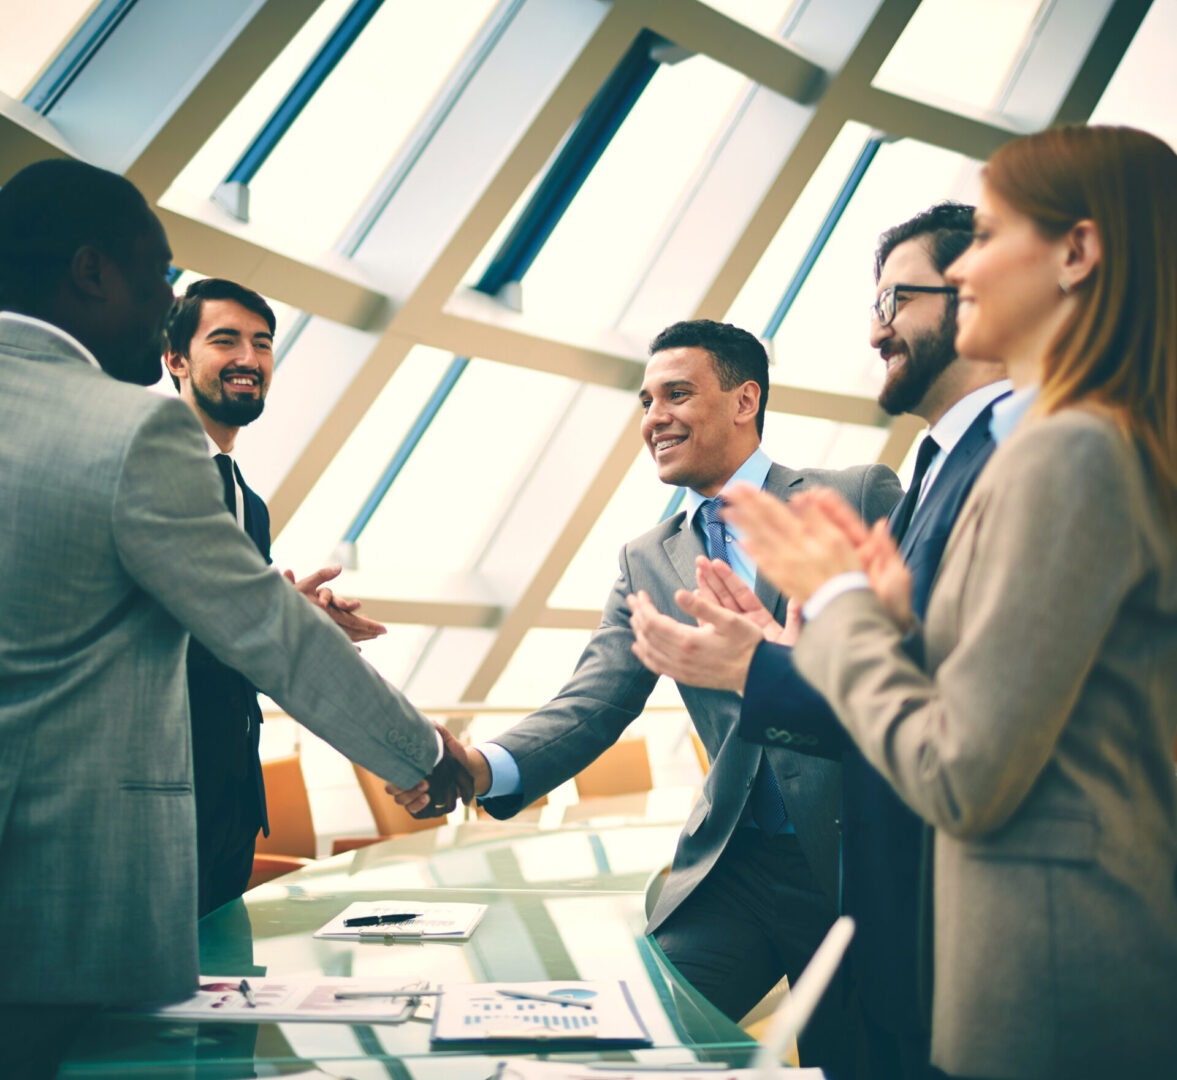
[[564, 903]]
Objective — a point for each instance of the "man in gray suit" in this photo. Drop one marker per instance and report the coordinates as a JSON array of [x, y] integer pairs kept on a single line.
[[752, 885], [111, 563]]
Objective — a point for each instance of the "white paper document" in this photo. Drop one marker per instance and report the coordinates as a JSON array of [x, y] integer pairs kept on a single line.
[[227, 998], [453, 922], [600, 1012], [523, 1069]]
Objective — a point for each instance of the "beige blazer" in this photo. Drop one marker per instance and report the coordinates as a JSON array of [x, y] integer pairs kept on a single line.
[[115, 543], [1037, 739]]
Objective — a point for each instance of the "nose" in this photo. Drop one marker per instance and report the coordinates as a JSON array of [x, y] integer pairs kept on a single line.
[[878, 332], [655, 416], [954, 274]]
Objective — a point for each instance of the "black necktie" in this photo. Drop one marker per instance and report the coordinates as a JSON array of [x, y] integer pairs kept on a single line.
[[225, 465], [905, 509]]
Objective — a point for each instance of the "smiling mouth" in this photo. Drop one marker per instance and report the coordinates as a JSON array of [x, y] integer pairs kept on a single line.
[[241, 382], [665, 443]]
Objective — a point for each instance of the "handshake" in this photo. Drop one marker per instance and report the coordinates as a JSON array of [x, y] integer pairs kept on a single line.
[[449, 781]]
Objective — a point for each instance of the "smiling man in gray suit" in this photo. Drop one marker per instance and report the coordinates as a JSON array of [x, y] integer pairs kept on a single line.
[[111, 563], [751, 889]]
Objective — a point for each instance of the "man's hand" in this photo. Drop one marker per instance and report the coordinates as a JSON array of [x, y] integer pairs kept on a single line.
[[797, 545], [719, 584], [888, 573], [716, 653], [433, 793], [342, 612]]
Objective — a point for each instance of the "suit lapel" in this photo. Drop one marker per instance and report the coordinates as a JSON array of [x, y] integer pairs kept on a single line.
[[976, 440], [783, 483], [682, 548]]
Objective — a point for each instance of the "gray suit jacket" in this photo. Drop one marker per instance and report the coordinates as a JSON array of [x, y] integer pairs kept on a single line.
[[116, 543], [610, 686], [1039, 743]]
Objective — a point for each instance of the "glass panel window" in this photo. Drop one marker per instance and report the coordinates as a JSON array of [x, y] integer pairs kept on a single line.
[[806, 442], [1144, 87], [959, 51], [322, 170], [33, 35], [321, 519], [583, 275], [635, 507]]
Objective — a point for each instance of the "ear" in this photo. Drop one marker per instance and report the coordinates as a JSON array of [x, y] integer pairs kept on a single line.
[[747, 402], [1083, 253], [176, 364], [87, 272]]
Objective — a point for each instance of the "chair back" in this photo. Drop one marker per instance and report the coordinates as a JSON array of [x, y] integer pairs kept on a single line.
[[623, 769], [292, 829], [391, 818]]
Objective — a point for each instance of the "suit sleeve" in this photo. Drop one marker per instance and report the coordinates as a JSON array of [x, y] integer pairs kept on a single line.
[[608, 689], [881, 490], [780, 708], [1053, 558], [179, 545]]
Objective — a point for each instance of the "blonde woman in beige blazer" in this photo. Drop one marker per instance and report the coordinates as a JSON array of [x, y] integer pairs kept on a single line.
[[1035, 729]]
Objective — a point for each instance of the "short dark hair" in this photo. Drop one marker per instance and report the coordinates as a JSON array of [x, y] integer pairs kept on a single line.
[[51, 209], [184, 317], [948, 227], [739, 356]]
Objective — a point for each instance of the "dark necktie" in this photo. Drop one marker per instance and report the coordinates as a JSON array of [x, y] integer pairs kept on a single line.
[[768, 808], [225, 465], [905, 509]]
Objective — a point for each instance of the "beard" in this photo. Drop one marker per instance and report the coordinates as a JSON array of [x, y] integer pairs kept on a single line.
[[925, 356], [230, 411]]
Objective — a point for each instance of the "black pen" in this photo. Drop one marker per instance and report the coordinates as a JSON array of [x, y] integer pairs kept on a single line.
[[247, 993], [382, 920]]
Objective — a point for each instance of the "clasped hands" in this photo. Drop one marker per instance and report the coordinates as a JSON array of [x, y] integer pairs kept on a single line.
[[798, 546], [460, 773]]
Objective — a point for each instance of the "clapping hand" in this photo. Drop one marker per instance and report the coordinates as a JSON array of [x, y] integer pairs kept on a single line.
[[342, 612]]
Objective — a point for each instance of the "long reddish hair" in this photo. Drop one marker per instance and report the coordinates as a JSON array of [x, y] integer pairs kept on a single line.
[[1120, 349]]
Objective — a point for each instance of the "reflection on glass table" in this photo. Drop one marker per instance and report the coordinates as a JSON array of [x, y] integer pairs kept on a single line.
[[566, 904]]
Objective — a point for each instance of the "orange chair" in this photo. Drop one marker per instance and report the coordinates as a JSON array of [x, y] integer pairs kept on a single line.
[[268, 867], [391, 818], [623, 769], [700, 753], [292, 829]]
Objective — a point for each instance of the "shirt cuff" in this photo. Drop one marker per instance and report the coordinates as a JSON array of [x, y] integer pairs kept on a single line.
[[505, 778], [831, 590]]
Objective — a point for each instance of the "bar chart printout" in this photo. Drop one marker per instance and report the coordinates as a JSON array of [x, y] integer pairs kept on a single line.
[[594, 1012]]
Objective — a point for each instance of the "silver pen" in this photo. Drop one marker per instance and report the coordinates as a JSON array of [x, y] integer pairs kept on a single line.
[[348, 995], [527, 995]]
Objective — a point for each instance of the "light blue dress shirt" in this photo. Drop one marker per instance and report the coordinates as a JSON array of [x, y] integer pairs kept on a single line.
[[504, 770]]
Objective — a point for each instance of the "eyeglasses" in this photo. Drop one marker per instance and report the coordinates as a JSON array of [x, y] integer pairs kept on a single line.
[[887, 304]]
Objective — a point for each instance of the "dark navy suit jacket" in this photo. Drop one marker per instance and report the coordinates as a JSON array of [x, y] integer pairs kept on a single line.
[[226, 727], [881, 837]]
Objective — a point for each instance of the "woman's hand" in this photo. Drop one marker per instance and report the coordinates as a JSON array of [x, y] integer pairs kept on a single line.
[[798, 545]]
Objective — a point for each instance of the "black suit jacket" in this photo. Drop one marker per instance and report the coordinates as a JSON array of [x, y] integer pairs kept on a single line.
[[226, 721], [881, 837]]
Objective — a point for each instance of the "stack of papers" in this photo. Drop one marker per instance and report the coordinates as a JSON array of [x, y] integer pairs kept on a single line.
[[452, 922], [600, 1013], [303, 998]]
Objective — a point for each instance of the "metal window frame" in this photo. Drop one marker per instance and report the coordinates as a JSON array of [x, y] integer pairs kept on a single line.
[[589, 139], [76, 54]]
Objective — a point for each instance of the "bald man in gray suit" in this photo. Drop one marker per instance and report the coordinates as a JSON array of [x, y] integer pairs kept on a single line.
[[111, 562]]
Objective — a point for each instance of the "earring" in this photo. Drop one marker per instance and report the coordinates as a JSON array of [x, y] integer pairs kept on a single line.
[[1064, 288]]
